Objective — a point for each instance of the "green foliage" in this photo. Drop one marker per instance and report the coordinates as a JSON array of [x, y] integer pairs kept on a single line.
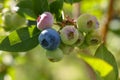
[[106, 55], [26, 38], [99, 65], [32, 8], [40, 6], [20, 40], [56, 8], [103, 63], [26, 8]]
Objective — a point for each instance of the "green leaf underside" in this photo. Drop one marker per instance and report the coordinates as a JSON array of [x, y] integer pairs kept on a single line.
[[20, 40], [106, 55], [99, 65]]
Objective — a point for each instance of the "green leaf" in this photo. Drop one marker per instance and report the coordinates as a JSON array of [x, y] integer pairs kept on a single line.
[[32, 8], [98, 77], [56, 8], [103, 53], [20, 40], [99, 65], [40, 6], [27, 13], [26, 9], [25, 4]]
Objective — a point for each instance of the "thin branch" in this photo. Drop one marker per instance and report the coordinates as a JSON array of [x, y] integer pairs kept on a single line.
[[76, 10], [109, 18]]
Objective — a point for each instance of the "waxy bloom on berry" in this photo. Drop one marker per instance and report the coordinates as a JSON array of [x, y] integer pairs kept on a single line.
[[44, 21]]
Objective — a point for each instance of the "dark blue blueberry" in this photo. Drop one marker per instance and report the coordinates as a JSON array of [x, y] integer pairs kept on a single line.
[[49, 39]]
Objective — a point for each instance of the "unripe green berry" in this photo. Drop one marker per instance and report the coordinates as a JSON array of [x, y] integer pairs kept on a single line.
[[93, 38], [17, 20], [80, 39], [66, 49], [55, 55], [13, 21], [69, 34], [7, 21], [87, 23]]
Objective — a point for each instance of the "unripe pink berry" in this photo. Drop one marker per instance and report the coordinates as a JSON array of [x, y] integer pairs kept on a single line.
[[44, 21]]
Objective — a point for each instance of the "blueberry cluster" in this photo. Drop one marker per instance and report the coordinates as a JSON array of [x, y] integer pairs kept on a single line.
[[71, 34]]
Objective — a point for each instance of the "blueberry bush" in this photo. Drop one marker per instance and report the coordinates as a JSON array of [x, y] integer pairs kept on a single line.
[[28, 27]]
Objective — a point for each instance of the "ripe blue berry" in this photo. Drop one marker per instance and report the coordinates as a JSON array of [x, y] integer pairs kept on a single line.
[[69, 35], [87, 23], [44, 21], [49, 39], [55, 55]]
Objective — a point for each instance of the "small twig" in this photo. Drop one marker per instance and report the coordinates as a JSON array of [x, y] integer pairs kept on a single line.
[[67, 21], [76, 10], [109, 18]]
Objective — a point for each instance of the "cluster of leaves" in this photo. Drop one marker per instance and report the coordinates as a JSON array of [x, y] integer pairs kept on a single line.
[[26, 38], [103, 62], [30, 9]]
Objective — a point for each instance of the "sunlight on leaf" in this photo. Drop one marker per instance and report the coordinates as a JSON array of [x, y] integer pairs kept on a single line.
[[31, 31], [98, 64], [2, 38], [20, 40], [103, 53], [29, 17], [14, 39]]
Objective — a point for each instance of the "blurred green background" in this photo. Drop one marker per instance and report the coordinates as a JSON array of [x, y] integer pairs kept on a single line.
[[33, 65]]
